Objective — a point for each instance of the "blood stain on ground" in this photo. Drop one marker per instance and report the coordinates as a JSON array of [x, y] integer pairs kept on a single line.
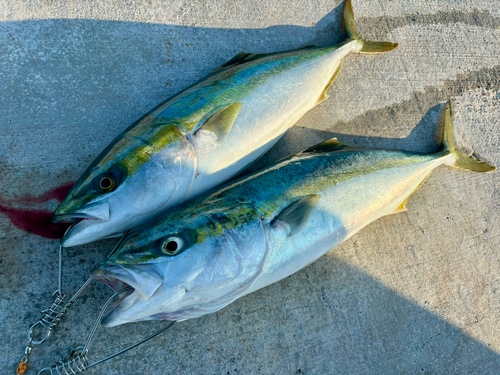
[[35, 221]]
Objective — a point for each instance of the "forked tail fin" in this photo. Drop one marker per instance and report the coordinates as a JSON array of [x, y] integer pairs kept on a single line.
[[460, 159], [349, 27]]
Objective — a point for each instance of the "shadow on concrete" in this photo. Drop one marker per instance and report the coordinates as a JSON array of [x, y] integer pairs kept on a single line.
[[328, 318], [80, 72], [364, 327], [424, 137]]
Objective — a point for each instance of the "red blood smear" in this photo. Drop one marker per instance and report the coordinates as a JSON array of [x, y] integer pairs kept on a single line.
[[58, 193], [38, 222]]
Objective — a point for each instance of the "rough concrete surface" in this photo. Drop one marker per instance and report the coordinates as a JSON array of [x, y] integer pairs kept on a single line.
[[413, 293]]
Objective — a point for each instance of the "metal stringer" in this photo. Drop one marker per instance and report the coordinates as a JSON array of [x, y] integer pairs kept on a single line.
[[55, 312], [78, 360]]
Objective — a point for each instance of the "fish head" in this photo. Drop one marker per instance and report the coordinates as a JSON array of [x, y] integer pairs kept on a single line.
[[188, 265], [140, 173]]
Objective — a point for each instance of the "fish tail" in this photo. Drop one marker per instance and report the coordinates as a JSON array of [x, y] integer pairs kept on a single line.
[[349, 28], [460, 159]]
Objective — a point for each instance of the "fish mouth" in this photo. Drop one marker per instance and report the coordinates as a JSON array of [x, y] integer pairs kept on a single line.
[[72, 218], [96, 211], [143, 282], [84, 231], [114, 283], [142, 279]]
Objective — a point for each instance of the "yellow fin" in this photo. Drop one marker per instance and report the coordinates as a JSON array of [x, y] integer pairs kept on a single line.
[[221, 122], [461, 160], [350, 29], [329, 145], [401, 207], [245, 57], [323, 95]]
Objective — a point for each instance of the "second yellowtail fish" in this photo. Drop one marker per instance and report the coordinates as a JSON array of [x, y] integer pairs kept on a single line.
[[253, 232], [203, 136]]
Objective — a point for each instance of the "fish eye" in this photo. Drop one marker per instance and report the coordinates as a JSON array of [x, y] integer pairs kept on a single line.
[[172, 245], [105, 183]]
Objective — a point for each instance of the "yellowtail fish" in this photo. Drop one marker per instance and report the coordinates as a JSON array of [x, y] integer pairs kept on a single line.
[[255, 231], [203, 136]]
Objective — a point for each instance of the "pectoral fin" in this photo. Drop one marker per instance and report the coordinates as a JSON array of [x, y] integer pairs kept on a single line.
[[221, 122], [295, 217]]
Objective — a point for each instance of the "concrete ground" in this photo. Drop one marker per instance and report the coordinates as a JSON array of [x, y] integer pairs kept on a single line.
[[413, 293]]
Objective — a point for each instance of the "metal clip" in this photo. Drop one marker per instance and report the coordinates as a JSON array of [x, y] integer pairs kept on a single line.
[[23, 364], [58, 308], [78, 360]]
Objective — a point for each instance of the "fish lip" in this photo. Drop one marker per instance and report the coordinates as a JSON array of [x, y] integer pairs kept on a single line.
[[86, 231], [99, 210], [117, 286], [118, 277], [113, 282], [72, 217], [111, 276]]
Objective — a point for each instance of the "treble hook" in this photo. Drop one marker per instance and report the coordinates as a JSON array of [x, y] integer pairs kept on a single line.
[[55, 312], [78, 360]]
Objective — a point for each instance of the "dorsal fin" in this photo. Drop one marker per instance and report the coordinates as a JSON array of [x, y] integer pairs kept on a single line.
[[244, 57], [241, 58], [221, 122], [295, 216], [329, 145]]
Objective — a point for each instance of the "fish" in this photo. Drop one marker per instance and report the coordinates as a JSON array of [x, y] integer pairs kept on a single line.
[[261, 228], [203, 136]]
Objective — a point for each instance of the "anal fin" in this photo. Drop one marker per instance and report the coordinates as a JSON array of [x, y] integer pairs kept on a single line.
[[323, 95], [402, 206]]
